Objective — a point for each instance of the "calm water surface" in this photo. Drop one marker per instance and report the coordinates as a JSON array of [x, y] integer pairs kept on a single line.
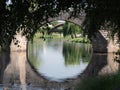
[[51, 61], [58, 60]]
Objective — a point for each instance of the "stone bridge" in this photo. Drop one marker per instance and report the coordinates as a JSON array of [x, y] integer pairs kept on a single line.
[[101, 43], [56, 30]]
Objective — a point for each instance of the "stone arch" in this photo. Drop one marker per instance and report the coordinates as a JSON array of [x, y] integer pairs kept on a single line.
[[100, 43], [67, 17], [54, 28]]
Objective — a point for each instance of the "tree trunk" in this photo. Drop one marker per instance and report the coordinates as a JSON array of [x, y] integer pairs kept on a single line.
[[75, 35], [5, 47], [72, 36]]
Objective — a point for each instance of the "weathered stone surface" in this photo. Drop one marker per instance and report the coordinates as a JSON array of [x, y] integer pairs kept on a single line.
[[20, 43]]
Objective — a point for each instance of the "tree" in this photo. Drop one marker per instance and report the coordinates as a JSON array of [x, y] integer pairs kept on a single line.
[[103, 13], [71, 29], [28, 15], [31, 14]]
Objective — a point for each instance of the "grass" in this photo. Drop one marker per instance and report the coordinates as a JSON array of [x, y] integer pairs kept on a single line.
[[46, 36], [79, 40], [68, 38], [108, 82]]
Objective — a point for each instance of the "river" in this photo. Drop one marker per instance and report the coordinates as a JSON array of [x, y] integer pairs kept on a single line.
[[53, 65], [58, 60]]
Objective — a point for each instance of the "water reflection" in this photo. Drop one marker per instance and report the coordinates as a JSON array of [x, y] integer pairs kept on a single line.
[[111, 67], [74, 53], [55, 57], [17, 74]]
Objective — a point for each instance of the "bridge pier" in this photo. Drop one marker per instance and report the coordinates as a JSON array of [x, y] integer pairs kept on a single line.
[[20, 43], [104, 44], [112, 46]]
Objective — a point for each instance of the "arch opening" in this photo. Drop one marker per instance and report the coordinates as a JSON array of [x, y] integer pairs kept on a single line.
[[64, 28], [67, 55]]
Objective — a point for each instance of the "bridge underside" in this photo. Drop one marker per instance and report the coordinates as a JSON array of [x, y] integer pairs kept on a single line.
[[100, 43]]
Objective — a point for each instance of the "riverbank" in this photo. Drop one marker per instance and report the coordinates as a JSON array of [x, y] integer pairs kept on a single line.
[[79, 40], [68, 38]]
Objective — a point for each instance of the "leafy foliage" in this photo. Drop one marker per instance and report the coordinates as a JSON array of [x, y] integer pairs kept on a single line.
[[103, 13], [29, 15], [71, 29]]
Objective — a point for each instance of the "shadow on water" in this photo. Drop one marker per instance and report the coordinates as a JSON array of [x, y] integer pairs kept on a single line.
[[101, 64], [105, 74], [96, 64]]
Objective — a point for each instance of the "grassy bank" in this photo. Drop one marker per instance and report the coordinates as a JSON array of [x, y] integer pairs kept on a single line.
[[110, 82], [68, 38], [46, 36], [78, 39]]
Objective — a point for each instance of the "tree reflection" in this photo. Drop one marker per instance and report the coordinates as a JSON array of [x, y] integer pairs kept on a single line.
[[74, 53], [33, 53]]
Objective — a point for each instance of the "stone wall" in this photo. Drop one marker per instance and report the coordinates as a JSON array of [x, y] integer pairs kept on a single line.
[[20, 43]]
